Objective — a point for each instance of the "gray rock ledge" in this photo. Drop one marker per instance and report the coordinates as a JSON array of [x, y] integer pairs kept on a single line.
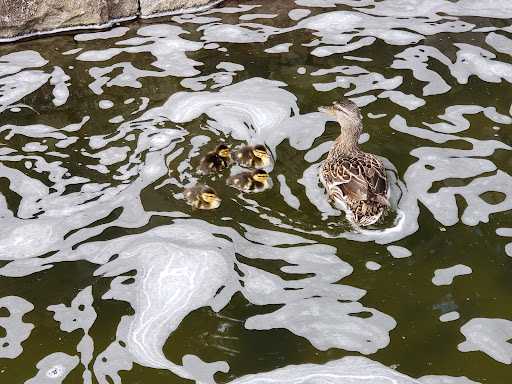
[[25, 18]]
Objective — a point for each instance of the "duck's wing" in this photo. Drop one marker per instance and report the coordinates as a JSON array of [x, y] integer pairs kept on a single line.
[[357, 178], [376, 178], [345, 179]]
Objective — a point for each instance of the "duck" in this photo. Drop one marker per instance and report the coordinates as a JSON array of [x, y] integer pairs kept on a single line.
[[354, 179], [215, 161], [201, 197], [252, 156], [250, 181]]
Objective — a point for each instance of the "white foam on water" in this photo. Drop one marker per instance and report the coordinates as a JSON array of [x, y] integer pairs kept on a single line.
[[54, 368], [162, 41], [399, 252], [415, 59], [348, 370], [105, 104], [16, 331], [366, 82], [80, 315], [476, 61], [250, 110], [287, 194], [499, 42], [329, 50], [239, 33], [489, 336], [272, 238], [297, 14], [219, 79], [508, 233], [373, 266], [436, 164], [470, 60], [410, 102], [60, 91], [72, 52], [103, 35], [450, 316], [280, 48], [178, 278], [316, 153], [455, 115], [445, 276], [34, 147], [327, 323], [194, 19], [253, 16]]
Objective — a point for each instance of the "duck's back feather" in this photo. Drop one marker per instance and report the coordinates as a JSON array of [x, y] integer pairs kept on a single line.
[[359, 181]]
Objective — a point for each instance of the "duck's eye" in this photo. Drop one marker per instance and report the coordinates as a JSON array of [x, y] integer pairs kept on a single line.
[[260, 153]]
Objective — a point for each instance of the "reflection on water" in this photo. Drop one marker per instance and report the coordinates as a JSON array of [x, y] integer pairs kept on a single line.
[[107, 274]]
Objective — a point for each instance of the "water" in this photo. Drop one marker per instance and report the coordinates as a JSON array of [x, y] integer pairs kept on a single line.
[[108, 276]]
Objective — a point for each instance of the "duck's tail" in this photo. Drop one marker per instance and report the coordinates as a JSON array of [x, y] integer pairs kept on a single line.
[[367, 212]]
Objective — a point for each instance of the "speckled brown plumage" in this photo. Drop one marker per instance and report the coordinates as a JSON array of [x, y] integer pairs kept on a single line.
[[355, 179]]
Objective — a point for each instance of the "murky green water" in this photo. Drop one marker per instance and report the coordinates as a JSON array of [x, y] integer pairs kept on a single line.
[[108, 276]]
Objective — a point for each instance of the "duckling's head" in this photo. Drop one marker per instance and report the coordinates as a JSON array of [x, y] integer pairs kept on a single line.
[[208, 194], [347, 114], [260, 175], [222, 150], [260, 151]]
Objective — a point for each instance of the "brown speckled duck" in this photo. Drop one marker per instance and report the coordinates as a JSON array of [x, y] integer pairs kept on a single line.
[[250, 181], [252, 156], [354, 179], [201, 197], [215, 161]]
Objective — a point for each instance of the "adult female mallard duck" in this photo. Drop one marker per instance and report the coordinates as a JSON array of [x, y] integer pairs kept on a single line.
[[201, 197], [252, 156], [215, 161], [250, 181], [354, 179]]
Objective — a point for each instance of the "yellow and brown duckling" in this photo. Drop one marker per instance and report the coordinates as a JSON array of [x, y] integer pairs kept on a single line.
[[201, 197], [215, 161], [252, 156], [354, 179], [250, 181]]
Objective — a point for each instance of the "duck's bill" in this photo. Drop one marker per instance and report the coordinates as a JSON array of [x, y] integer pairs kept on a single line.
[[328, 110]]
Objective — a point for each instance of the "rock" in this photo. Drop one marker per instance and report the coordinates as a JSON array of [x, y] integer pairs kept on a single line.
[[118, 9], [152, 7], [24, 17]]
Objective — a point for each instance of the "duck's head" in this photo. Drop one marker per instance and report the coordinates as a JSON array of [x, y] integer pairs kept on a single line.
[[222, 150], [208, 194], [260, 175], [346, 112], [260, 151]]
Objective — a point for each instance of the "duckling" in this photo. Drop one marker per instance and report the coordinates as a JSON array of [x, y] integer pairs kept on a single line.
[[215, 161], [354, 179], [252, 156], [250, 181], [202, 197]]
